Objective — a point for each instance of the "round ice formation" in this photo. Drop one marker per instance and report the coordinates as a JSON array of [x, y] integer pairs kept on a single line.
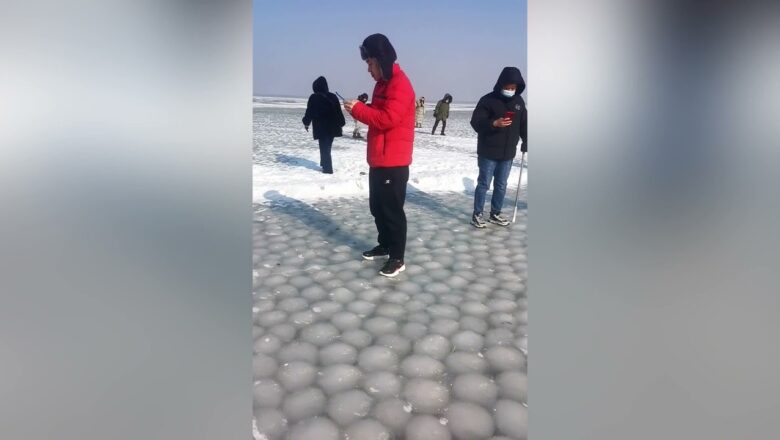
[[502, 305], [398, 344], [475, 388], [349, 406], [502, 320], [409, 287], [338, 353], [269, 319], [451, 299], [303, 318], [296, 375], [381, 384], [392, 414], [414, 330], [414, 306], [396, 298], [437, 288], [380, 326], [505, 358], [512, 419], [443, 311], [270, 423], [257, 331], [314, 293], [377, 358], [426, 428], [371, 295], [298, 351], [318, 427], [444, 327], [435, 346], [439, 274], [304, 404], [474, 324], [263, 306], [457, 282], [285, 332], [421, 366], [300, 281], [326, 309], [368, 429], [469, 421], [346, 321], [392, 311], [342, 295], [426, 396], [513, 385], [357, 338], [419, 317], [467, 341], [268, 393], [460, 363], [264, 366], [267, 344], [340, 377], [291, 305], [275, 280], [427, 298], [361, 308], [499, 336], [475, 308], [320, 334]]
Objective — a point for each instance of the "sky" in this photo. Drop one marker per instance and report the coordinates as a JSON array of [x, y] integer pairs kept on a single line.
[[457, 47]]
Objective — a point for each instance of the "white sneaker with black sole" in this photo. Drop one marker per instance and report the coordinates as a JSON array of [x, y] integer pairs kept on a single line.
[[392, 268]]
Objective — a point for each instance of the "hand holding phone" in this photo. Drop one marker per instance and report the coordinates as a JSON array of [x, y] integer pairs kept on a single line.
[[509, 115]]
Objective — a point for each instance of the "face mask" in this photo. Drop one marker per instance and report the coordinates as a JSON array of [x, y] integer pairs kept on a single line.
[[508, 93]]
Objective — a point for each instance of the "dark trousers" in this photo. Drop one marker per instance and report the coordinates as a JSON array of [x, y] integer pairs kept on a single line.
[[325, 161], [386, 197], [443, 125]]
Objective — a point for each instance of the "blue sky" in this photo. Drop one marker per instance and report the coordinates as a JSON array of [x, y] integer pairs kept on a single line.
[[457, 47]]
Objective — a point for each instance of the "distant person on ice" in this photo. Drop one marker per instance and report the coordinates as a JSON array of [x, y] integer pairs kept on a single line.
[[324, 111], [363, 97], [390, 120], [419, 112], [441, 113], [500, 120]]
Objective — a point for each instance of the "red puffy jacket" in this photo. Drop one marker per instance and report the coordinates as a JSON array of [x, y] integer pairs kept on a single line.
[[390, 120]]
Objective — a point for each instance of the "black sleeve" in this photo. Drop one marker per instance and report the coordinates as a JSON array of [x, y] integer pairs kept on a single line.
[[339, 113], [310, 111], [524, 129], [481, 119]]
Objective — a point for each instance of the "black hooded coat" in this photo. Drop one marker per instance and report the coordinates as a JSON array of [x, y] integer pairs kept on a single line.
[[501, 143], [324, 111]]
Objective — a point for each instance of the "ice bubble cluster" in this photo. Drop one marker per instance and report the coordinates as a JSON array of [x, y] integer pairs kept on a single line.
[[439, 352]]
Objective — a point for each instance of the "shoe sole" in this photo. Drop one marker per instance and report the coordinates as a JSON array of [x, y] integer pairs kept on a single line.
[[391, 275], [378, 257], [478, 225]]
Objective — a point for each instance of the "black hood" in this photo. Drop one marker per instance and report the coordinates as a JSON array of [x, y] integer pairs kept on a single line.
[[510, 75], [320, 85], [447, 98], [379, 47]]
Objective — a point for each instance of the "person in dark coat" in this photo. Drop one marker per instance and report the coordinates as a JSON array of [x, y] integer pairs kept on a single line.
[[497, 139], [324, 111], [441, 113]]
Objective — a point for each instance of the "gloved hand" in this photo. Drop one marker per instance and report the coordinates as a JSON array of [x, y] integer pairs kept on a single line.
[[306, 127]]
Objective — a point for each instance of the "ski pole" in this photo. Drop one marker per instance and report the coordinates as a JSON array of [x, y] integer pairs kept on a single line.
[[519, 181]]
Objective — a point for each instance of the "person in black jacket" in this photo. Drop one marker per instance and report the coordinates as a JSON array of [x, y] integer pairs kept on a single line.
[[497, 139], [324, 111]]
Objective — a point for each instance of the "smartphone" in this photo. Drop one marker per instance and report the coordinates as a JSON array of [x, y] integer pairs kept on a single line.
[[509, 115]]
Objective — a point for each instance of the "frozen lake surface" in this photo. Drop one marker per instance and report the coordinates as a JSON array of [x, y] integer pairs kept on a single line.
[[340, 352]]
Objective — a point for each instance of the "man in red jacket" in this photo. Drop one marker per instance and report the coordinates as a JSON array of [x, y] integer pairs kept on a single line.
[[390, 120]]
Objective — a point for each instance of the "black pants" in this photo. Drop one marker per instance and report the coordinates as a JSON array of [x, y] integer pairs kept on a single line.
[[325, 161], [443, 125], [387, 194]]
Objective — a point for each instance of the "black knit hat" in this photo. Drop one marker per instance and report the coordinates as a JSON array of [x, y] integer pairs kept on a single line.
[[379, 47]]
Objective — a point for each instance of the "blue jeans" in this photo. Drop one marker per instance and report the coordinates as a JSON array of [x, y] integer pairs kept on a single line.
[[325, 161], [498, 172]]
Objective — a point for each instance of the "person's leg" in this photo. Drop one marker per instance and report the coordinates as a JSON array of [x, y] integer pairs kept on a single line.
[[325, 147], [486, 168], [322, 156], [434, 126], [374, 201], [443, 126], [393, 196], [500, 177]]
